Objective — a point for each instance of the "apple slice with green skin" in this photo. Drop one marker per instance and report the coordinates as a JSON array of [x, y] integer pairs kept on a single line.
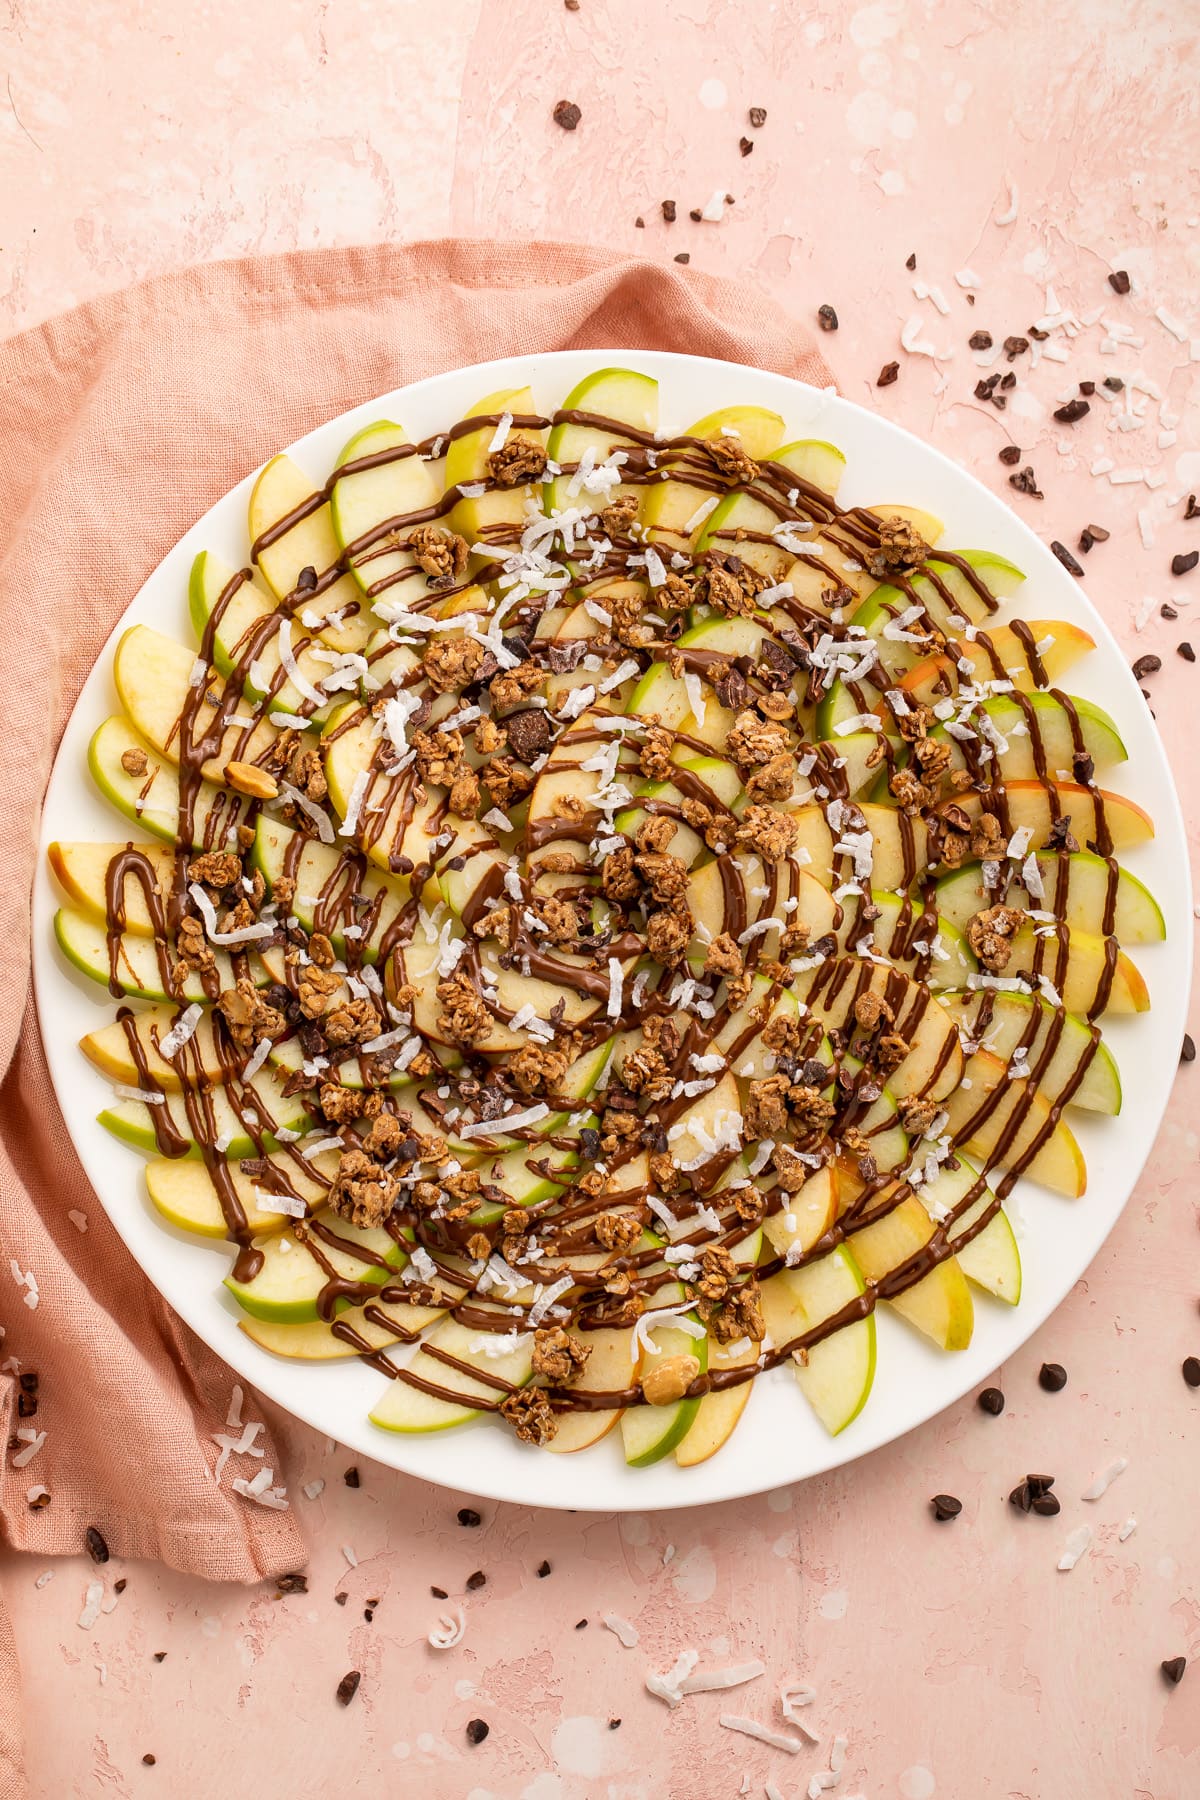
[[151, 799], [240, 624], [990, 1259], [407, 1408], [329, 869], [1086, 891], [822, 465], [133, 1122], [670, 505], [888, 1141], [836, 1373], [1017, 721], [947, 595], [620, 395], [108, 1050], [649, 1433], [283, 488], [1003, 1021], [719, 1412], [577, 1083], [289, 1056], [939, 1304], [501, 510], [82, 869], [289, 1284], [316, 1341], [152, 675], [934, 1062], [1007, 1134], [899, 925], [999, 651], [181, 1189], [371, 504], [83, 940], [610, 1369]]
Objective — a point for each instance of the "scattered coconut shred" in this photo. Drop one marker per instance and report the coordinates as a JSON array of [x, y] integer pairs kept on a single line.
[[621, 1628], [683, 1678]]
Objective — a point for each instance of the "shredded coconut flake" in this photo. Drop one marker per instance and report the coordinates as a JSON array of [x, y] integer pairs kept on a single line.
[[621, 1628], [778, 1740]]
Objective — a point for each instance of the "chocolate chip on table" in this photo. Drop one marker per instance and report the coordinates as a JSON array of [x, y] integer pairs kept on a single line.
[[1185, 563], [1010, 454], [758, 117], [1173, 1667], [980, 340], [352, 1478], [96, 1547], [910, 261], [1118, 281], [120, 1586], [1146, 665], [991, 1400], [1188, 1052], [543, 1569], [347, 1687], [668, 211], [160, 1656], [1072, 412], [150, 1759], [888, 374], [614, 1724], [695, 215], [1185, 650], [827, 319], [1039, 1485], [475, 1581], [469, 1517], [1021, 1498], [567, 114], [1045, 1505], [1191, 1371], [439, 1593], [1052, 1377], [340, 1599], [745, 145], [1088, 388], [683, 257], [1025, 482], [1065, 558], [1191, 511], [477, 1730], [640, 223], [945, 1506]]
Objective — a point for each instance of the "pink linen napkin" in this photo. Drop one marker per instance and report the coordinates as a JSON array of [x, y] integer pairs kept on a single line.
[[123, 421]]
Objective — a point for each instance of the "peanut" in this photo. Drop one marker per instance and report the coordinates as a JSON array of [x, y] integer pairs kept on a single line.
[[248, 778], [670, 1380]]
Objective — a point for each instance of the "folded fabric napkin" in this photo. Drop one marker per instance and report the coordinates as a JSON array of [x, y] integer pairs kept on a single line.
[[123, 421]]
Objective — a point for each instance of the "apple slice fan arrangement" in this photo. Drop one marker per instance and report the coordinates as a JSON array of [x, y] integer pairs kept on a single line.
[[590, 919]]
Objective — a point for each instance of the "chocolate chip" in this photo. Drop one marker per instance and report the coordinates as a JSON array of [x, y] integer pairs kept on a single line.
[[758, 117], [945, 1506], [1065, 558], [910, 261], [160, 1656], [1167, 612], [1025, 482], [477, 1730], [695, 215], [1088, 388], [980, 340], [1118, 281], [306, 581], [614, 1724], [1146, 665], [476, 1581], [96, 1547], [1184, 564], [1185, 650], [567, 114], [1072, 412], [1188, 1052], [668, 211], [347, 1687], [581, 1624], [352, 1478], [340, 1599], [1010, 454], [439, 1593], [528, 733], [683, 257], [369, 1614], [640, 223], [1191, 1371], [1039, 1484], [1021, 1497], [1173, 1667], [827, 319], [292, 1584], [887, 374], [1052, 1377], [745, 145], [1192, 511], [1016, 346], [991, 1400], [543, 1569], [1046, 1505], [469, 1517]]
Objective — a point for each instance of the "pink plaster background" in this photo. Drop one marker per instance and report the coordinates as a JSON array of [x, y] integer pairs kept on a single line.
[[958, 1662]]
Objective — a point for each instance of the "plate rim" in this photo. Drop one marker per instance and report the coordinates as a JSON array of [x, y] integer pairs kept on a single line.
[[272, 1376]]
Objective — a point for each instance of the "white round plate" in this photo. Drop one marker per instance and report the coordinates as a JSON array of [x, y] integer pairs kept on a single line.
[[778, 1440]]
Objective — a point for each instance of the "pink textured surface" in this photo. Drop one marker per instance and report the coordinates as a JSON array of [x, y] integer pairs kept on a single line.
[[956, 1660]]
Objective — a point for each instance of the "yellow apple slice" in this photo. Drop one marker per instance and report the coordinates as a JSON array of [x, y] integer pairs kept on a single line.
[[939, 1304], [611, 1368], [1021, 1119], [283, 491], [719, 1412]]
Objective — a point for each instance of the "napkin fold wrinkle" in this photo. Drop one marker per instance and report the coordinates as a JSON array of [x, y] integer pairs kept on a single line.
[[123, 421]]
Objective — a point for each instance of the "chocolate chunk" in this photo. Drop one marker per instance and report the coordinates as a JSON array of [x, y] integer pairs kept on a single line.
[[1167, 612], [827, 319], [745, 145], [668, 211], [1118, 281], [758, 117], [1052, 1377], [477, 1730], [1060, 835], [1039, 1484], [887, 374], [1088, 388], [695, 215], [160, 1656], [469, 1517], [1009, 380], [1016, 346], [528, 733], [1173, 1667], [1065, 558], [1083, 766], [306, 581], [1073, 411], [1191, 1371], [991, 1400], [1146, 665], [683, 257], [1025, 482], [910, 262], [1010, 454], [945, 1506], [981, 340], [476, 1581], [1184, 564], [352, 1478], [1188, 1052], [347, 1687], [567, 114], [95, 1545], [292, 1584], [543, 1569], [369, 1614], [984, 389], [1185, 650]]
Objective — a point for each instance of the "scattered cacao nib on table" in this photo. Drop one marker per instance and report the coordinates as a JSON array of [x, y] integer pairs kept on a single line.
[[745, 145], [1146, 665], [1065, 558], [758, 117], [1072, 412], [1184, 563], [1025, 482], [827, 319], [1092, 534], [1119, 282], [567, 114], [1010, 454], [95, 1545], [477, 1730], [1188, 1052], [347, 1687], [1185, 650], [887, 374], [1173, 1668]]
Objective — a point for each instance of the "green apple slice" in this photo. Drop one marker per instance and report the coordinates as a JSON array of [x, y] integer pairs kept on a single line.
[[1003, 1021], [835, 1374], [133, 1122], [291, 1280], [108, 1049], [990, 1259], [621, 396], [1021, 1119], [1088, 972], [368, 506], [1051, 721], [152, 799], [1084, 890], [333, 872], [182, 1191], [240, 623], [818, 464], [152, 675], [500, 512], [939, 1304], [82, 872], [934, 1063], [673, 509], [719, 1412], [408, 1408], [649, 1433], [899, 932], [281, 490], [948, 596], [380, 1325], [83, 939]]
